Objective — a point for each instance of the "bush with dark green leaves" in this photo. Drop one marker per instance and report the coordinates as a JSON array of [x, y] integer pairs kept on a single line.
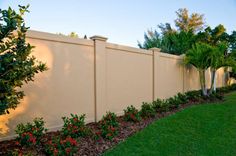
[[157, 104], [193, 95], [74, 126], [30, 134], [182, 98], [160, 105], [226, 89], [131, 114], [147, 110], [173, 102], [17, 65], [109, 126]]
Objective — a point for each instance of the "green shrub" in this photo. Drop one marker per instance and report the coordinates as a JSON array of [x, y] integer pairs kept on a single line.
[[226, 89], [183, 98], [233, 87], [193, 95], [173, 102], [31, 133], [109, 126], [74, 126], [215, 96], [61, 147], [147, 110], [164, 106], [131, 114], [223, 90], [157, 104], [17, 64]]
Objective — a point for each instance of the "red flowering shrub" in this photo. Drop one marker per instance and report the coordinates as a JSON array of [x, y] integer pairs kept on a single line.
[[61, 147], [109, 126], [131, 114], [74, 126], [30, 133]]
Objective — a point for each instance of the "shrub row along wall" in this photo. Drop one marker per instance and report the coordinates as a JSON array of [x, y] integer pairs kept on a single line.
[[93, 76]]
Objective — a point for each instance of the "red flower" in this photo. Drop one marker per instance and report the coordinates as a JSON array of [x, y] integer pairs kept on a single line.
[[98, 133], [112, 129], [55, 152], [68, 150], [75, 119], [50, 142], [72, 141], [17, 143]]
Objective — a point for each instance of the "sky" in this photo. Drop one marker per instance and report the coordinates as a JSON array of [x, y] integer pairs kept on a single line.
[[121, 21]]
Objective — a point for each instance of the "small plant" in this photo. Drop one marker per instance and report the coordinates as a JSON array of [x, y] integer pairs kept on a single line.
[[215, 96], [182, 98], [157, 105], [74, 126], [61, 147], [226, 89], [173, 102], [109, 126], [193, 95], [31, 133], [131, 114], [160, 105], [164, 106], [147, 110]]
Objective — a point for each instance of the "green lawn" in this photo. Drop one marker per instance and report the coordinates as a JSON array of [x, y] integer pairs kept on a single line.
[[201, 130]]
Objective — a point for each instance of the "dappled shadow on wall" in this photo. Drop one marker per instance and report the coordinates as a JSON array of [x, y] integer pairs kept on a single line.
[[4, 119], [9, 121]]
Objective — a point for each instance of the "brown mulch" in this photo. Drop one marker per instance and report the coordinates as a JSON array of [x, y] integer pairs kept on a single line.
[[88, 146]]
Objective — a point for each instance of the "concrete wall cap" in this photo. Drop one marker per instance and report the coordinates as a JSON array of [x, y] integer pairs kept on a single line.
[[100, 38], [155, 49]]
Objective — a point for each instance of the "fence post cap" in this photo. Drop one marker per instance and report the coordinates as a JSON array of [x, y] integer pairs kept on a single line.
[[100, 38], [155, 49]]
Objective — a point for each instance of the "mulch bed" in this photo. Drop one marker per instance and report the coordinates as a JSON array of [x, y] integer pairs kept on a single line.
[[88, 146]]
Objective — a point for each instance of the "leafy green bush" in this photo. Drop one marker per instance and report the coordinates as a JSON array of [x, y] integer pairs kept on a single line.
[[215, 96], [31, 133], [182, 98], [233, 87], [109, 126], [131, 114], [226, 89], [160, 105], [165, 106], [17, 65], [157, 104], [61, 147], [147, 110], [193, 95], [74, 126], [173, 102]]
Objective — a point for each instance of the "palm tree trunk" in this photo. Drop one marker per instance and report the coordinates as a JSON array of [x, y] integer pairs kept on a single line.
[[213, 75], [203, 81]]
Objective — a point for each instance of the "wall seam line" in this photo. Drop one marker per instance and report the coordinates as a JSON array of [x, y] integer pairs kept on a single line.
[[95, 84], [153, 76]]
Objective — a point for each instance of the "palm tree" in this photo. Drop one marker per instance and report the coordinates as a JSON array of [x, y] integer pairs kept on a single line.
[[218, 59], [199, 57]]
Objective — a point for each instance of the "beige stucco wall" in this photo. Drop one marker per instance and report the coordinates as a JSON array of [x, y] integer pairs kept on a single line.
[[129, 77], [169, 73], [94, 76], [67, 87]]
